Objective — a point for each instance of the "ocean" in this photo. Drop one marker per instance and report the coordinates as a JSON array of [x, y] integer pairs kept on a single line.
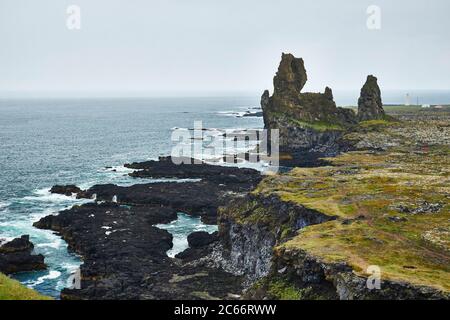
[[85, 142]]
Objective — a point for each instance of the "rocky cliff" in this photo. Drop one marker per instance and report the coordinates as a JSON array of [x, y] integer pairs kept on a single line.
[[257, 235], [252, 226], [296, 274], [315, 233]]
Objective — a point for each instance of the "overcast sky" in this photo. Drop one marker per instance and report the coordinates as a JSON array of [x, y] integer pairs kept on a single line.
[[158, 47]]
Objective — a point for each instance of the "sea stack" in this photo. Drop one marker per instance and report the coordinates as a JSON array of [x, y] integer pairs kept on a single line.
[[370, 106], [306, 121]]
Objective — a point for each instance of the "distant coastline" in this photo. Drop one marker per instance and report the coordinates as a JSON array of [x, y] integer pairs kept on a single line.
[[343, 98]]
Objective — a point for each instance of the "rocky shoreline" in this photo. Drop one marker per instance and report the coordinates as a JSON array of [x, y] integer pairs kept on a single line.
[[124, 254]]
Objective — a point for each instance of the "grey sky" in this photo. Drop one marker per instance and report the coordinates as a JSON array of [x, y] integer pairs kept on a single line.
[[194, 46]]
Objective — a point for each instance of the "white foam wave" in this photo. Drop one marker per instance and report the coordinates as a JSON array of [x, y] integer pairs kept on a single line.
[[70, 267], [53, 274], [44, 195], [58, 243], [119, 169], [5, 239], [238, 114], [234, 114], [154, 180], [174, 180]]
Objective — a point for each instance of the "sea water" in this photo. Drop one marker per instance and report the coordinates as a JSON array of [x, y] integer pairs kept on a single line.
[[181, 228], [45, 142]]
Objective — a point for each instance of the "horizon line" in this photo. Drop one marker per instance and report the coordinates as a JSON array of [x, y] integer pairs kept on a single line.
[[174, 94]]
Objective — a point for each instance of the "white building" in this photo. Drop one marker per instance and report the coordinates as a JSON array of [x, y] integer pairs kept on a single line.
[[407, 100]]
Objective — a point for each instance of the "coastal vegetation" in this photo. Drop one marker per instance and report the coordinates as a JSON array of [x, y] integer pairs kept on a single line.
[[12, 290]]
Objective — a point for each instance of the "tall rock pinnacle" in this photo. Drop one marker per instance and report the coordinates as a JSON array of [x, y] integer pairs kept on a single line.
[[370, 106], [291, 76]]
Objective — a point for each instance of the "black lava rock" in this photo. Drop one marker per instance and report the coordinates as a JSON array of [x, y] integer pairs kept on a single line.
[[16, 256], [125, 254], [67, 190], [201, 239]]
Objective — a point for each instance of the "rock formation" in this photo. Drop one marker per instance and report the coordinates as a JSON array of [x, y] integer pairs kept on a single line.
[[307, 121], [370, 106], [16, 256]]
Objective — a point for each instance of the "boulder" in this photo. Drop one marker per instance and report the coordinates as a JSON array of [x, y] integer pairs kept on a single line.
[[201, 239], [16, 256], [66, 190], [370, 106], [17, 245]]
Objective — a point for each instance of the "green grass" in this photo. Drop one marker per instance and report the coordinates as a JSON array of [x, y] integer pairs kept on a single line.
[[278, 287], [282, 290], [318, 125], [401, 108], [376, 123], [391, 107], [13, 290]]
